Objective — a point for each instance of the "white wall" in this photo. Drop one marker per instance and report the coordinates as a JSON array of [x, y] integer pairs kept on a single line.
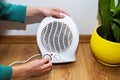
[[83, 12]]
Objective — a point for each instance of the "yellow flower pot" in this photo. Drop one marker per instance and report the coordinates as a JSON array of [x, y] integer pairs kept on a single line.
[[106, 52]]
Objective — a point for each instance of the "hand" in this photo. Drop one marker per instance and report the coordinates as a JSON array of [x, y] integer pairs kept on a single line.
[[44, 11], [32, 69], [55, 12]]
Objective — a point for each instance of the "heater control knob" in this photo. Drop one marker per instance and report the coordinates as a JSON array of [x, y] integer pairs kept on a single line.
[[47, 56]]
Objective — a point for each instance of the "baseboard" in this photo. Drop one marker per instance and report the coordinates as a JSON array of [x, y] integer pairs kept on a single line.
[[85, 38], [31, 39]]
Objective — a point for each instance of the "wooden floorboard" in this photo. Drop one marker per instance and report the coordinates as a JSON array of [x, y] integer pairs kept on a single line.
[[85, 68]]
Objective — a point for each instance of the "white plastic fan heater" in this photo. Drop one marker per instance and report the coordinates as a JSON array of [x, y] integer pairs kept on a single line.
[[58, 39]]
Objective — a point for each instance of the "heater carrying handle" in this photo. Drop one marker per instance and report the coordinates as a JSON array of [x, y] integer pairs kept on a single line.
[[63, 18]]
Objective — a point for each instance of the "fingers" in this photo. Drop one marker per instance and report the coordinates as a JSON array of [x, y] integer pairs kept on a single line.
[[59, 11], [46, 71], [47, 66], [46, 63], [56, 13]]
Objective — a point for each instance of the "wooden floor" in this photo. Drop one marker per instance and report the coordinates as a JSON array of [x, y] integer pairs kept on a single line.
[[85, 68]]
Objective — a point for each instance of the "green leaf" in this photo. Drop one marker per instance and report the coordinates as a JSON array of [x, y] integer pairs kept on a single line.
[[112, 6], [116, 32], [105, 15], [116, 21], [117, 11]]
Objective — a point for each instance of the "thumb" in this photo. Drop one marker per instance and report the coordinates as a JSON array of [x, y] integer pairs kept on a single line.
[[44, 61]]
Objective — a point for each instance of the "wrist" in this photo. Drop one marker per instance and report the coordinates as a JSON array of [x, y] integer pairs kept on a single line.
[[32, 11], [19, 72]]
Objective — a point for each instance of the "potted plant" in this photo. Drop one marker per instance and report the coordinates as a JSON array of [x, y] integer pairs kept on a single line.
[[105, 39]]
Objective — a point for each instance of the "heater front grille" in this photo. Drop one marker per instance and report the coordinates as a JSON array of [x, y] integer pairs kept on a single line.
[[56, 37]]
